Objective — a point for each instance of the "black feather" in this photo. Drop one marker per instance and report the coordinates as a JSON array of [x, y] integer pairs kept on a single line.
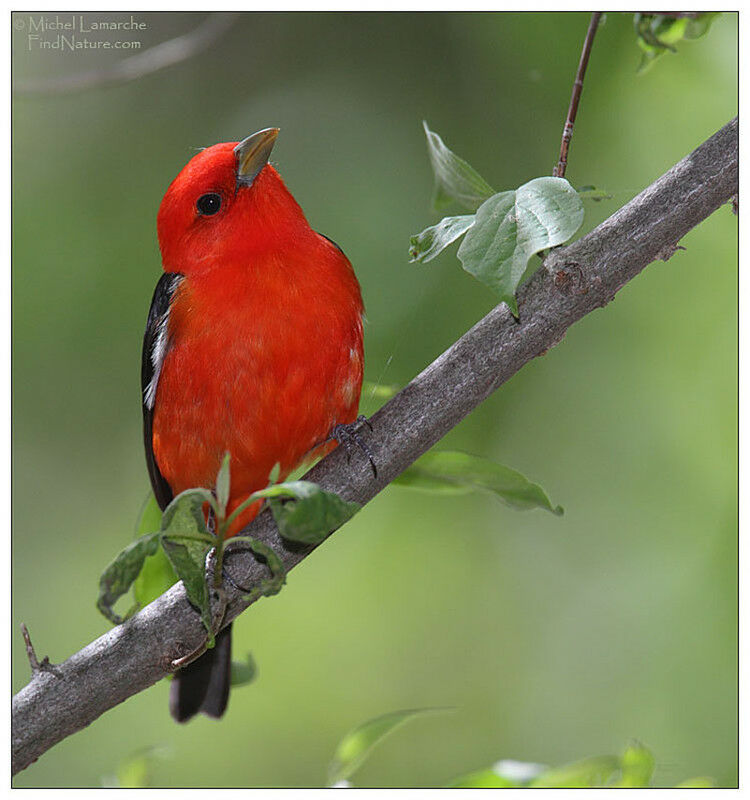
[[157, 315], [203, 686]]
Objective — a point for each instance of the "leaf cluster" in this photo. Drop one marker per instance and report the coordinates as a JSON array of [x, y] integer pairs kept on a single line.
[[506, 229], [658, 34], [632, 769], [179, 548]]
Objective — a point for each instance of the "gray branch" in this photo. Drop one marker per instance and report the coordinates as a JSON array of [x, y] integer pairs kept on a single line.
[[575, 280]]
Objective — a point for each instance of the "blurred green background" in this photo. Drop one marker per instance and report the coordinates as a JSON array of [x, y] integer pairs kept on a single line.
[[553, 638]]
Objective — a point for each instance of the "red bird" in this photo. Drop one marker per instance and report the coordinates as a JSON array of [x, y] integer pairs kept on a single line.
[[253, 346]]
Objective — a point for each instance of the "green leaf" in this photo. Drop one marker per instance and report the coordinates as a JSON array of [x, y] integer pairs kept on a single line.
[[150, 518], [157, 574], [183, 518], [297, 490], [512, 226], [186, 542], [482, 779], [134, 772], [356, 746], [243, 672], [699, 26], [273, 475], [453, 472], [222, 483], [591, 772], [154, 579], [637, 767], [593, 193], [659, 33], [697, 783], [505, 774], [454, 178], [310, 514], [118, 577], [188, 559], [432, 241]]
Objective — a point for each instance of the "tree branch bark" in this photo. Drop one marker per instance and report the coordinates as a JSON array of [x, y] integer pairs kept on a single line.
[[574, 281]]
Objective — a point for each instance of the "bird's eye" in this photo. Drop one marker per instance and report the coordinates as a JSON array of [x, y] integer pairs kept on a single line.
[[208, 204]]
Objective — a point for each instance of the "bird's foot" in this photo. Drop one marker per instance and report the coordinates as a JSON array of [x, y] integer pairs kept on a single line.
[[349, 436]]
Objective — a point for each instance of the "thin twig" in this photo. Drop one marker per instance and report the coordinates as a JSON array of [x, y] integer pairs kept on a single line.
[[34, 663], [135, 655], [559, 170], [162, 55]]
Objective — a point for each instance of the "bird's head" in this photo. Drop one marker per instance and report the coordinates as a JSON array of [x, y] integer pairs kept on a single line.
[[228, 202]]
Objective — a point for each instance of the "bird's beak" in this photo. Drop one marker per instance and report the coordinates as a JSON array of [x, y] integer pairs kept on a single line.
[[252, 154]]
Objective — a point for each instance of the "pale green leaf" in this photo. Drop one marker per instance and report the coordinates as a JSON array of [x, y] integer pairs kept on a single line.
[[120, 574], [356, 746], [222, 483], [298, 490], [700, 782], [273, 475], [454, 178], [482, 779], [593, 193], [506, 774], [134, 772], [589, 773], [453, 472], [521, 772], [154, 579], [157, 575], [512, 226], [637, 767], [432, 241], [150, 517], [659, 33], [699, 26], [243, 672]]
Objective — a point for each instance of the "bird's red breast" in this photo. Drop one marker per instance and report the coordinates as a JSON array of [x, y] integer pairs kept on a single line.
[[263, 349]]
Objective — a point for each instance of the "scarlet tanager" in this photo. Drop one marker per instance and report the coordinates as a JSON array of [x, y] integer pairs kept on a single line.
[[253, 346]]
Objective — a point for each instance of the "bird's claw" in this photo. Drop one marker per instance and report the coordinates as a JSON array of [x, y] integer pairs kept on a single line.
[[348, 435]]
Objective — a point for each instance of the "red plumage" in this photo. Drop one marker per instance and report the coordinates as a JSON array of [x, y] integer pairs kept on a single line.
[[253, 347], [265, 333]]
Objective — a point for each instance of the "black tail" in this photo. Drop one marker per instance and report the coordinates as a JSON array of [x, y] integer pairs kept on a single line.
[[203, 685]]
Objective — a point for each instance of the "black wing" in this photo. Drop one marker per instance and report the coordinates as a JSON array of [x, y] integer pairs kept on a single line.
[[155, 346]]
